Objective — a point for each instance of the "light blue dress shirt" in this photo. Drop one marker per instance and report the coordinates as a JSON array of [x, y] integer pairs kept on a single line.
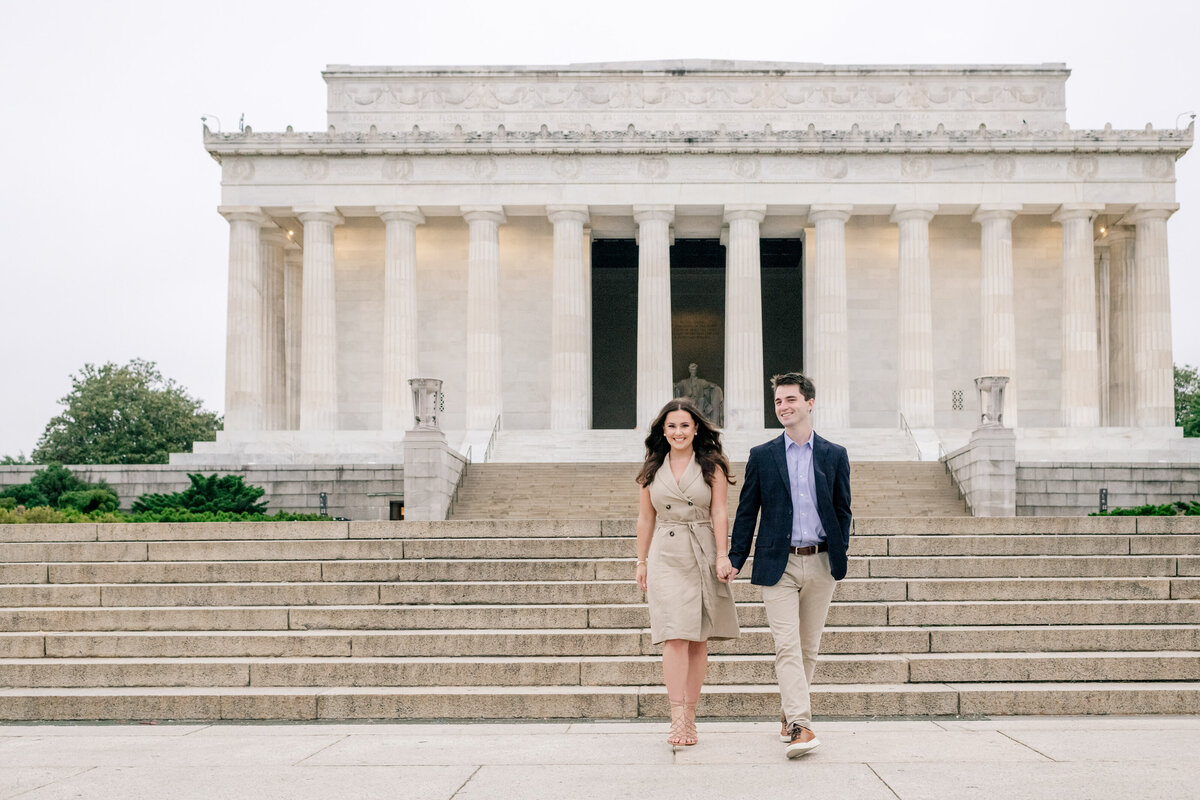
[[806, 522]]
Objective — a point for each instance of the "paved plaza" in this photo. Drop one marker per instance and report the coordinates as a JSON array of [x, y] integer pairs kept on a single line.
[[926, 759]]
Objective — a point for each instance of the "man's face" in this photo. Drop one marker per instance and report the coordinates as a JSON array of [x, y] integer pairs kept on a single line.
[[790, 406]]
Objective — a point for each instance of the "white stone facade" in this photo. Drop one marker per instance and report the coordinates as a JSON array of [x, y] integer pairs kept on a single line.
[[953, 226]]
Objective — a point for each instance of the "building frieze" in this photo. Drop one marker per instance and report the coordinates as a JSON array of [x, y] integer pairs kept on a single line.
[[654, 142]]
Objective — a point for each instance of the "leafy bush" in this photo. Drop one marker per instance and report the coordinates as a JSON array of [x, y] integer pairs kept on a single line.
[[7, 503], [1176, 509], [88, 500], [212, 494], [48, 485], [44, 514]]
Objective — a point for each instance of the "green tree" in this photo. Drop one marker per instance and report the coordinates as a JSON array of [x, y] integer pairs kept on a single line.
[[57, 487], [19, 458], [126, 414], [1187, 399]]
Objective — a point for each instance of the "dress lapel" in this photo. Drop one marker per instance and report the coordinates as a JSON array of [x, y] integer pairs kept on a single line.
[[690, 474]]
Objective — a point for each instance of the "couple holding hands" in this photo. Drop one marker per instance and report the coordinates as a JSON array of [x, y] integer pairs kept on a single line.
[[796, 490]]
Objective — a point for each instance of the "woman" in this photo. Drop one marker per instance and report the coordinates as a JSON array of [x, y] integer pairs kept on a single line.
[[682, 543]]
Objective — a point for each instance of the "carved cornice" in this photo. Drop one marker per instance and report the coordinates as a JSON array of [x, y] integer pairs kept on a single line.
[[766, 141]]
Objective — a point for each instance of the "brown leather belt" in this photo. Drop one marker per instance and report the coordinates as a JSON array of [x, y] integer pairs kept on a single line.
[[808, 551]]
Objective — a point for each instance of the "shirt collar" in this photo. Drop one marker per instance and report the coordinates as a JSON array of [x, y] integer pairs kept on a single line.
[[789, 443]]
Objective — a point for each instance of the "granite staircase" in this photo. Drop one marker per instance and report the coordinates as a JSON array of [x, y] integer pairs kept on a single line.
[[540, 619], [607, 490]]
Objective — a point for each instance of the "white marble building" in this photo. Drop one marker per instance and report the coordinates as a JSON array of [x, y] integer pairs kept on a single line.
[[948, 224]]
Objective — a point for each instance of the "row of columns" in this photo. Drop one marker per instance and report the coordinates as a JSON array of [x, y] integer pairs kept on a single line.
[[282, 338], [1139, 335]]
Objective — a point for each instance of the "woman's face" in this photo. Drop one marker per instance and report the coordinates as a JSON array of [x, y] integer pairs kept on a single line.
[[680, 429]]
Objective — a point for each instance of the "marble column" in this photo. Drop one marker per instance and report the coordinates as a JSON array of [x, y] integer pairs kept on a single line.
[[570, 323], [1080, 359], [744, 379], [998, 334], [484, 391], [1154, 370], [400, 353], [915, 335], [293, 277], [318, 347], [272, 242], [654, 355], [1102, 320], [828, 360], [245, 374], [1122, 400]]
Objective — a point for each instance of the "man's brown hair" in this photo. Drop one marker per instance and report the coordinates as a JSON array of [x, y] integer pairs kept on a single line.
[[795, 379]]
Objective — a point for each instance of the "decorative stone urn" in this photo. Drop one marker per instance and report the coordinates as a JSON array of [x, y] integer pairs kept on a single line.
[[991, 400], [427, 396]]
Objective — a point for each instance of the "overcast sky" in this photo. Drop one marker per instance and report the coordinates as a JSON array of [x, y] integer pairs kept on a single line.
[[111, 247]]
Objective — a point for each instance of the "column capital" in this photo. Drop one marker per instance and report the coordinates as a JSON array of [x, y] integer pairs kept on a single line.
[[918, 211], [745, 211], [1070, 211], [986, 211], [273, 235], [823, 211], [557, 214], [653, 214], [1148, 211], [401, 214], [483, 214], [307, 214], [244, 213]]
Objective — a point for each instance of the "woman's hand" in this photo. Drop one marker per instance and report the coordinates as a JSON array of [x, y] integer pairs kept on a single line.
[[725, 570], [641, 575]]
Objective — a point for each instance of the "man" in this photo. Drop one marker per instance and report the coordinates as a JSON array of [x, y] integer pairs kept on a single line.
[[801, 484]]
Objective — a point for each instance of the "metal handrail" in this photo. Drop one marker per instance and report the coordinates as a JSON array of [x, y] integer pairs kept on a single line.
[[462, 476], [908, 432], [487, 453]]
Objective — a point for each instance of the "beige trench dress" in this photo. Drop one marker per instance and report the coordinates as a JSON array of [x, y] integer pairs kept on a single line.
[[686, 600]]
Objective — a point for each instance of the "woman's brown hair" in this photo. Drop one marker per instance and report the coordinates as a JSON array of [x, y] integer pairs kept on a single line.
[[706, 445]]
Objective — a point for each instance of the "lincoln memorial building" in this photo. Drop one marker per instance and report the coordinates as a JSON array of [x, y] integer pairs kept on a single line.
[[559, 244]]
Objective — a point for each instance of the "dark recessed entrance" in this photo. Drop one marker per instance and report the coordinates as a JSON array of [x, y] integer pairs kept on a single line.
[[697, 319]]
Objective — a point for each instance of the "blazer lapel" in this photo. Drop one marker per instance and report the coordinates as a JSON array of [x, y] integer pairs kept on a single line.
[[820, 452], [778, 452]]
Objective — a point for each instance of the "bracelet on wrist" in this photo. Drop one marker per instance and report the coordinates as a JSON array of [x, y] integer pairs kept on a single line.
[[641, 561]]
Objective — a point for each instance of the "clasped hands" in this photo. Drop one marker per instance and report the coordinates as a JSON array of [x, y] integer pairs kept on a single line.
[[725, 571]]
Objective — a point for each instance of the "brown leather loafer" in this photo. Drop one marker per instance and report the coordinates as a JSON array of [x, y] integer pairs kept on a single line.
[[801, 741]]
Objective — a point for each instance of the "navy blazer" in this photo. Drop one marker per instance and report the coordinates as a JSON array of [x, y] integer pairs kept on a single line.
[[766, 488]]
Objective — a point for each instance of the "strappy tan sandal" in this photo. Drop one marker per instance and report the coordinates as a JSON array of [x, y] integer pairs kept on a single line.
[[682, 732], [689, 710]]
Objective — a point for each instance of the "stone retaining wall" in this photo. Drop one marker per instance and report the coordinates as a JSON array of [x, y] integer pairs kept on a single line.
[[355, 491], [1073, 488]]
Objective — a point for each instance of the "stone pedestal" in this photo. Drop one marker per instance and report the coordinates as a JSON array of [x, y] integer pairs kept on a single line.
[[915, 334], [1154, 370], [827, 359], [245, 366], [400, 362], [484, 390], [1080, 360], [986, 471], [998, 339], [654, 364], [570, 323], [744, 379], [318, 350]]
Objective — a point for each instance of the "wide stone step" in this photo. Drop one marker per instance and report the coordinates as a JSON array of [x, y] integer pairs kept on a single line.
[[863, 640], [579, 702], [603, 589], [421, 671]]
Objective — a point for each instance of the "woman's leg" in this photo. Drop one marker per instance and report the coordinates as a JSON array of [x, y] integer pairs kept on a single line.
[[697, 666], [676, 662]]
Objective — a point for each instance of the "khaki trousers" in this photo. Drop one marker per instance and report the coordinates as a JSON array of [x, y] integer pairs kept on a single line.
[[796, 608]]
